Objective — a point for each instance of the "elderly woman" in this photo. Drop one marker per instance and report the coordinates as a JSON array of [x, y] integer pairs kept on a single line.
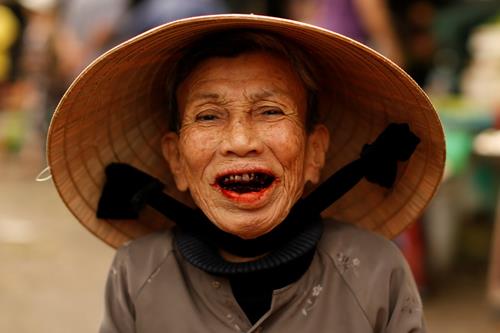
[[249, 134]]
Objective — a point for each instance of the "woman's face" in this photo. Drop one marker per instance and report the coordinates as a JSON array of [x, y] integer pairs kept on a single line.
[[242, 150]]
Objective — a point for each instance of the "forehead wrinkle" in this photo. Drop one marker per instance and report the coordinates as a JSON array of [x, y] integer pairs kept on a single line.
[[253, 96]]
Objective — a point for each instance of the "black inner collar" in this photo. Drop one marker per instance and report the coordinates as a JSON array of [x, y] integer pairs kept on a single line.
[[206, 257]]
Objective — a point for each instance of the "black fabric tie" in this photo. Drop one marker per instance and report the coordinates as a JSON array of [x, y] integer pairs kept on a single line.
[[377, 163], [127, 190]]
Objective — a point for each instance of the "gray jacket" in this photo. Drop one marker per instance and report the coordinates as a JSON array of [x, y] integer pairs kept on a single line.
[[358, 282]]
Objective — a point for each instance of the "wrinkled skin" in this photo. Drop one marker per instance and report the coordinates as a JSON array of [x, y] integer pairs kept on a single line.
[[242, 115]]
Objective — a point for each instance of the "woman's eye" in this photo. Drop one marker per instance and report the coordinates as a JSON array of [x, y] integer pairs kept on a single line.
[[206, 117], [272, 112]]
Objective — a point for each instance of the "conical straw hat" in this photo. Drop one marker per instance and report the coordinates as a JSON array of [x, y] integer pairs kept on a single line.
[[114, 112]]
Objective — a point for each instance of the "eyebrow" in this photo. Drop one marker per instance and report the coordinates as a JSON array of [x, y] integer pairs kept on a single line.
[[202, 96], [266, 93], [261, 95]]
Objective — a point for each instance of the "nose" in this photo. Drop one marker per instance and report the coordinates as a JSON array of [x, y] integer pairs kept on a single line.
[[241, 139]]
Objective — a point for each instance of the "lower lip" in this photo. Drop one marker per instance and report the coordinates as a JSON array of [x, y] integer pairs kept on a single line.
[[249, 197]]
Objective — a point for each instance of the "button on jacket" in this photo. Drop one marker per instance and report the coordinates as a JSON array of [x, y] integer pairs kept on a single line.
[[358, 282]]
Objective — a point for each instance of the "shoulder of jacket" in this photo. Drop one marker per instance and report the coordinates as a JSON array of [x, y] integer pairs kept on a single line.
[[369, 264], [157, 244], [140, 258], [345, 239]]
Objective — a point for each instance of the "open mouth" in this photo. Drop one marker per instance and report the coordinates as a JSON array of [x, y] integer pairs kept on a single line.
[[245, 182]]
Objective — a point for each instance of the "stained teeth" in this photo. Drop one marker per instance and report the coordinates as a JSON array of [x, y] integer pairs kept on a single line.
[[245, 177], [246, 182]]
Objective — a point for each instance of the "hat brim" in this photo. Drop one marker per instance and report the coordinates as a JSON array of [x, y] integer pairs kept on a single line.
[[115, 112]]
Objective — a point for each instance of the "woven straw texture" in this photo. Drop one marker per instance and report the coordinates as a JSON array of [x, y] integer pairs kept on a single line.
[[115, 112]]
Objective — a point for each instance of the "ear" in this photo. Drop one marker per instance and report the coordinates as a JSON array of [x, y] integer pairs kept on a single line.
[[171, 153], [316, 148]]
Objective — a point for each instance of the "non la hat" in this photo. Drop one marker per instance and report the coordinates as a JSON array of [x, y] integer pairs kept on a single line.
[[114, 111]]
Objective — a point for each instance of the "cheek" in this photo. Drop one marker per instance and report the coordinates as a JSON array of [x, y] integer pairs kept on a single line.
[[287, 141], [197, 148]]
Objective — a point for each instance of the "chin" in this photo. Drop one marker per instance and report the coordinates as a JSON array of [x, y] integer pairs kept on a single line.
[[247, 230]]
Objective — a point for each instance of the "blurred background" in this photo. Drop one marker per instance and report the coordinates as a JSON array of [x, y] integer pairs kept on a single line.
[[52, 271]]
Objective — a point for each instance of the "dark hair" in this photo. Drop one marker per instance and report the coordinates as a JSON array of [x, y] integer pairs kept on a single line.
[[231, 44]]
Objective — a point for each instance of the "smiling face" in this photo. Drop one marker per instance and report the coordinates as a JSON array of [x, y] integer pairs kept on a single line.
[[242, 150]]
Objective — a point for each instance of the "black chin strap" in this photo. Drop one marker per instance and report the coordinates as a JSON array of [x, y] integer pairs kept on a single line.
[[127, 190]]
